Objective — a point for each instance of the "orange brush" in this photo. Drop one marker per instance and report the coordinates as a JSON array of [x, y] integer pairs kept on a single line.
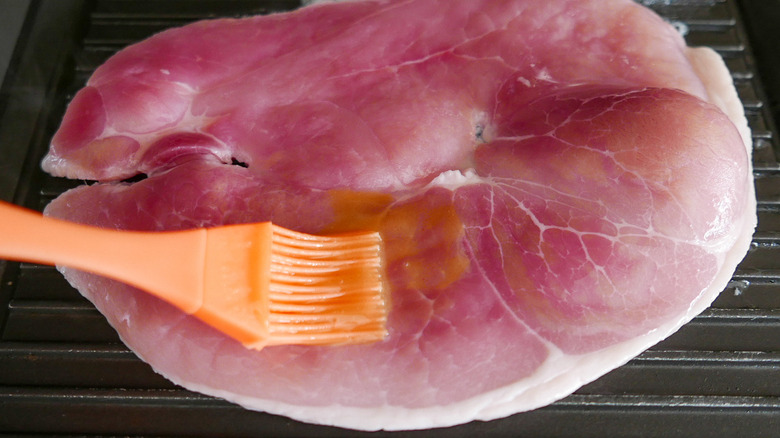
[[259, 283]]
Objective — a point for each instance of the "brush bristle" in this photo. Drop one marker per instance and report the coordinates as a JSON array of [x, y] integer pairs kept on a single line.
[[326, 290]]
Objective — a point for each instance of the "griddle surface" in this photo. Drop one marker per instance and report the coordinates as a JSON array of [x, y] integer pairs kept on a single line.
[[64, 372]]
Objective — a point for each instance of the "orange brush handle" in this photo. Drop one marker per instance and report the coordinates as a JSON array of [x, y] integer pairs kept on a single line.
[[169, 261], [258, 283]]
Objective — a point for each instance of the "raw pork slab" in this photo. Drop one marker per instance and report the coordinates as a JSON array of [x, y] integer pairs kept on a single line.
[[559, 184]]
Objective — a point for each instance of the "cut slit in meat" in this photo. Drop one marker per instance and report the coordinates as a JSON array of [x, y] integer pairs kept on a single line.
[[559, 185]]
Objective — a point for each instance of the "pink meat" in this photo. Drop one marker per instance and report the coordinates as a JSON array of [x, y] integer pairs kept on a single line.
[[555, 192]]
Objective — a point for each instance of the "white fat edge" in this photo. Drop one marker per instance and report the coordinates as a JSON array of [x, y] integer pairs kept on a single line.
[[557, 377], [386, 417], [455, 179], [711, 69], [55, 165]]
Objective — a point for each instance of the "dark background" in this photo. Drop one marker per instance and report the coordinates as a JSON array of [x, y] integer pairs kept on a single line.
[[762, 22]]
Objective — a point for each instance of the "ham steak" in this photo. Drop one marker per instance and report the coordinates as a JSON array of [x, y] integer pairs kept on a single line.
[[559, 186]]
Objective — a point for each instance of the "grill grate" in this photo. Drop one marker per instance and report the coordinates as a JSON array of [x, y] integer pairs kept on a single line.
[[64, 371]]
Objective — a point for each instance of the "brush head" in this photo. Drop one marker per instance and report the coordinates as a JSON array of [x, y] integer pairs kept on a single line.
[[267, 285], [326, 289]]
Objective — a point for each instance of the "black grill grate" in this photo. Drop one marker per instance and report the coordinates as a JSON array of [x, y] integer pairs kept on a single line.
[[63, 370]]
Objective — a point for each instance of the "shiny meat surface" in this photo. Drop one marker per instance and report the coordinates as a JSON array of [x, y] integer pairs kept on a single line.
[[557, 186]]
